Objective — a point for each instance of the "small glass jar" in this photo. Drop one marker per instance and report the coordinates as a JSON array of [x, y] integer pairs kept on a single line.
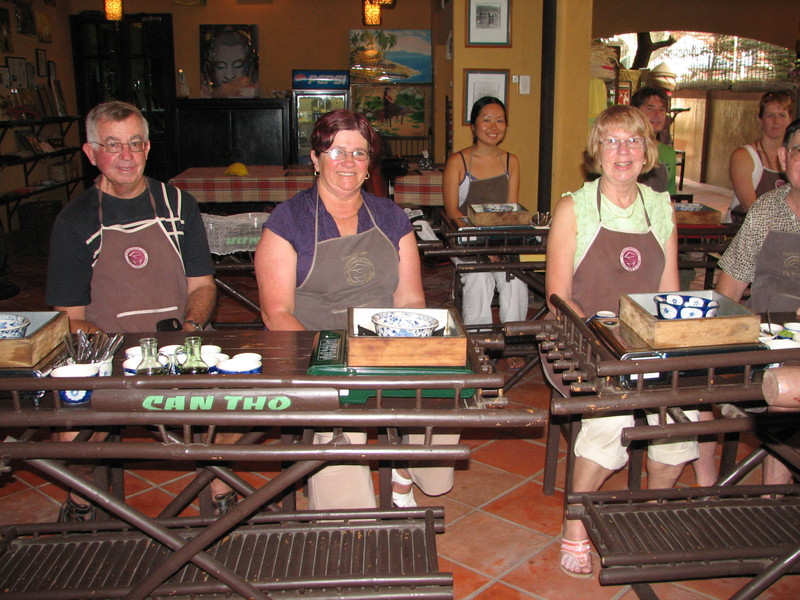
[[150, 364], [194, 363]]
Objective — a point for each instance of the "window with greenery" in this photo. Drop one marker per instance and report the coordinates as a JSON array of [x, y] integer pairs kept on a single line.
[[708, 59]]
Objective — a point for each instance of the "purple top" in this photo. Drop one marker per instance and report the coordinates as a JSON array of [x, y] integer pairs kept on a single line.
[[293, 220]]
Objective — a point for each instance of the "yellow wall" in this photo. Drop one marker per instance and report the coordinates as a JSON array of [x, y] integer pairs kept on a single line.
[[570, 122], [522, 58]]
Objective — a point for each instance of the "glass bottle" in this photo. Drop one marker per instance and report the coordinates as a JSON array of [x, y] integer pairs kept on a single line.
[[150, 364], [194, 363]]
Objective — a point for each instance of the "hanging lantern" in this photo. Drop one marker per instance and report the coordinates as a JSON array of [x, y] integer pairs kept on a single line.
[[113, 10], [371, 14]]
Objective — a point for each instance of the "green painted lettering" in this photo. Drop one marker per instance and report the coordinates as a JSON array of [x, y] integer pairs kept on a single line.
[[256, 403], [279, 403], [232, 401], [201, 402], [175, 403], [153, 402]]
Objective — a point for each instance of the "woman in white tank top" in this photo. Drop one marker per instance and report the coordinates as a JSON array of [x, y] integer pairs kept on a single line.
[[754, 168]]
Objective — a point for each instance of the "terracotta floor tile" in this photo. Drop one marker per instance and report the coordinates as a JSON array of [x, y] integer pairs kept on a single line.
[[542, 576], [487, 544], [151, 502], [527, 506], [465, 581], [499, 591], [30, 506], [520, 457], [480, 483], [11, 484]]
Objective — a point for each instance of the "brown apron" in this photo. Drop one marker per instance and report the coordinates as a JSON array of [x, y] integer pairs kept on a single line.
[[486, 191], [138, 278], [616, 263], [360, 270], [776, 285]]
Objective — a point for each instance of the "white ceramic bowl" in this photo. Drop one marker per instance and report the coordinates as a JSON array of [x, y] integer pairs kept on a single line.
[[401, 323], [13, 326], [679, 306]]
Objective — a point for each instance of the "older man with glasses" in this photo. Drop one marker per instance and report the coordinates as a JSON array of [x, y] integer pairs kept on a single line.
[[128, 252]]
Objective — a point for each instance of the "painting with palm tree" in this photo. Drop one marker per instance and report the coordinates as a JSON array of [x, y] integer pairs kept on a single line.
[[399, 110], [390, 56]]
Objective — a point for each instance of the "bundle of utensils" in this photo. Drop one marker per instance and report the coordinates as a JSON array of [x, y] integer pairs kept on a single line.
[[92, 348]]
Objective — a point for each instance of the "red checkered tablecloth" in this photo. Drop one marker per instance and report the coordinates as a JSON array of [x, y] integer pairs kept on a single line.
[[261, 184], [423, 188]]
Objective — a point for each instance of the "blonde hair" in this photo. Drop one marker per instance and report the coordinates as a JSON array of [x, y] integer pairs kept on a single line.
[[625, 117]]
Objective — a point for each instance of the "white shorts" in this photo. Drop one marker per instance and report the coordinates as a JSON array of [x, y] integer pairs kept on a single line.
[[600, 440]]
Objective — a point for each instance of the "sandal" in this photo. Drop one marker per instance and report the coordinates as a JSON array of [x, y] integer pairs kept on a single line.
[[74, 512], [576, 558], [223, 503], [403, 499]]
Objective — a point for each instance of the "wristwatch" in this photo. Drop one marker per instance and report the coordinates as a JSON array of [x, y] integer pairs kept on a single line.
[[195, 324]]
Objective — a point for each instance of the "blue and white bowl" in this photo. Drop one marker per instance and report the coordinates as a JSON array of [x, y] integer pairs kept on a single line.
[[679, 306], [400, 323], [13, 326]]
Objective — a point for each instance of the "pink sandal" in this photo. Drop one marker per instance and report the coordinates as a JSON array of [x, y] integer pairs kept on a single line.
[[576, 558]]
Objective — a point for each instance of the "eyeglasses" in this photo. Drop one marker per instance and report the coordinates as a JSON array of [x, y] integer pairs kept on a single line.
[[116, 147], [794, 153], [614, 143], [337, 154]]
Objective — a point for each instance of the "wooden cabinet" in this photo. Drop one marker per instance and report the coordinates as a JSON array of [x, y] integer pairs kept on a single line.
[[130, 60], [218, 132]]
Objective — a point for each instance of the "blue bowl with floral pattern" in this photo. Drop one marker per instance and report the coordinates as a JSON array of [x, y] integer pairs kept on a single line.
[[679, 306], [400, 323], [13, 326]]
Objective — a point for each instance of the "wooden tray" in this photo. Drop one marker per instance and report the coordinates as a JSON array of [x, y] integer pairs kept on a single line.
[[447, 350], [695, 214], [733, 323], [46, 331], [483, 215]]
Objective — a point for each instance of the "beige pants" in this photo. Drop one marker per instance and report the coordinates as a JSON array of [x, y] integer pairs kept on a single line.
[[350, 485]]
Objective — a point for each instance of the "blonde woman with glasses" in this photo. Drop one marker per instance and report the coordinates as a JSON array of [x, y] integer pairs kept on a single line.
[[613, 237]]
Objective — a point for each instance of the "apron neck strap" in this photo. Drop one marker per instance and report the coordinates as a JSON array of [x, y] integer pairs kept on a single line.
[[639, 191], [97, 181]]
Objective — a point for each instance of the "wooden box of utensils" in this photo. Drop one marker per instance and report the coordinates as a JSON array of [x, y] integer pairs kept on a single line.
[[46, 331]]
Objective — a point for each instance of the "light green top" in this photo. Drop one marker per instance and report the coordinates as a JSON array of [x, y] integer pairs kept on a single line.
[[666, 156], [630, 219]]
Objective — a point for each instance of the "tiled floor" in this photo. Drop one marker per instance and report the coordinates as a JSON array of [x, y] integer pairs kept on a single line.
[[501, 540]]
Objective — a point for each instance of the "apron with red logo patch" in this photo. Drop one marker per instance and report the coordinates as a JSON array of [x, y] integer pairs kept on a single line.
[[616, 263], [138, 278]]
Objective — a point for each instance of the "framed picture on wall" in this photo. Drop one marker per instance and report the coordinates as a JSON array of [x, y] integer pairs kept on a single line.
[[19, 77], [5, 79], [41, 62], [478, 84], [228, 61], [624, 92], [395, 110], [489, 23], [5, 31]]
